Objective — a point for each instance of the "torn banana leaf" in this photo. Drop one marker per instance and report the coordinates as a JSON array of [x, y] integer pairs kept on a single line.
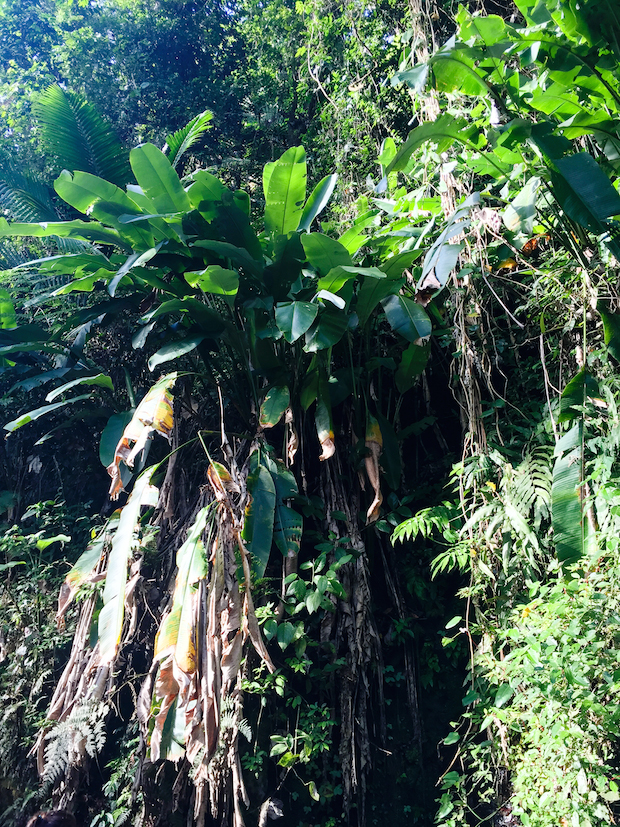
[[176, 635], [154, 414], [123, 544], [84, 571]]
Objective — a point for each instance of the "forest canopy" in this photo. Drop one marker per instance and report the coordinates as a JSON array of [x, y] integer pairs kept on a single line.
[[309, 341]]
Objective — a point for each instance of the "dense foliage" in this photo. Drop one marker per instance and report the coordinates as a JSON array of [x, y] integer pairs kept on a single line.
[[392, 419]]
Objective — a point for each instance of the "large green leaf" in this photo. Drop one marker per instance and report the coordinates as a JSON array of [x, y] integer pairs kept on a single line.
[[259, 515], [90, 231], [611, 330], [174, 350], [111, 616], [443, 132], [215, 279], [317, 201], [85, 565], [31, 416], [111, 435], [325, 253], [582, 386], [372, 291], [77, 135], [407, 318], [210, 322], [159, 181], [274, 405], [100, 379], [105, 202], [519, 215], [454, 70], [327, 330], [295, 318], [442, 257], [412, 364], [238, 255], [585, 193], [566, 505], [284, 185]]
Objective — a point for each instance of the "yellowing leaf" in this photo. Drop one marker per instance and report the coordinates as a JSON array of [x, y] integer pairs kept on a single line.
[[154, 414], [374, 445]]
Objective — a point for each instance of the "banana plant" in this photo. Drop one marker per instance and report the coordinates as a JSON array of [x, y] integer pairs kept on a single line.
[[281, 323]]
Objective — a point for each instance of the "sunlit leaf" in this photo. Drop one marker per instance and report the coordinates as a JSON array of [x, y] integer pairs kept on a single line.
[[274, 405], [284, 185], [112, 614]]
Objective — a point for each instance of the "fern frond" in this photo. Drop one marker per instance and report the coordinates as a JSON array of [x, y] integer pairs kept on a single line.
[[180, 141], [423, 523], [83, 731], [73, 131]]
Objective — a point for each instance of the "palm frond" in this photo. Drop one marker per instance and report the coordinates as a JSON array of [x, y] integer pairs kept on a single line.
[[180, 141], [73, 131], [24, 198]]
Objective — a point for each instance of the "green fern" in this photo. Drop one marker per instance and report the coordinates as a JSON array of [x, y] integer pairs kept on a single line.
[[85, 724], [439, 517], [529, 486]]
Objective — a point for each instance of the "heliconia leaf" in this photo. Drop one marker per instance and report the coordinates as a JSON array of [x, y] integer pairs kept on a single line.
[[259, 516], [374, 448], [317, 201], [412, 364], [86, 564], [284, 185], [174, 350], [83, 230], [355, 237], [372, 291], [153, 414], [519, 215], [325, 253], [111, 616], [215, 279], [24, 419], [295, 318], [101, 380], [240, 256], [327, 331], [158, 179], [407, 317], [274, 405], [611, 330], [443, 132], [176, 635], [566, 497], [441, 258], [582, 386], [592, 197]]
